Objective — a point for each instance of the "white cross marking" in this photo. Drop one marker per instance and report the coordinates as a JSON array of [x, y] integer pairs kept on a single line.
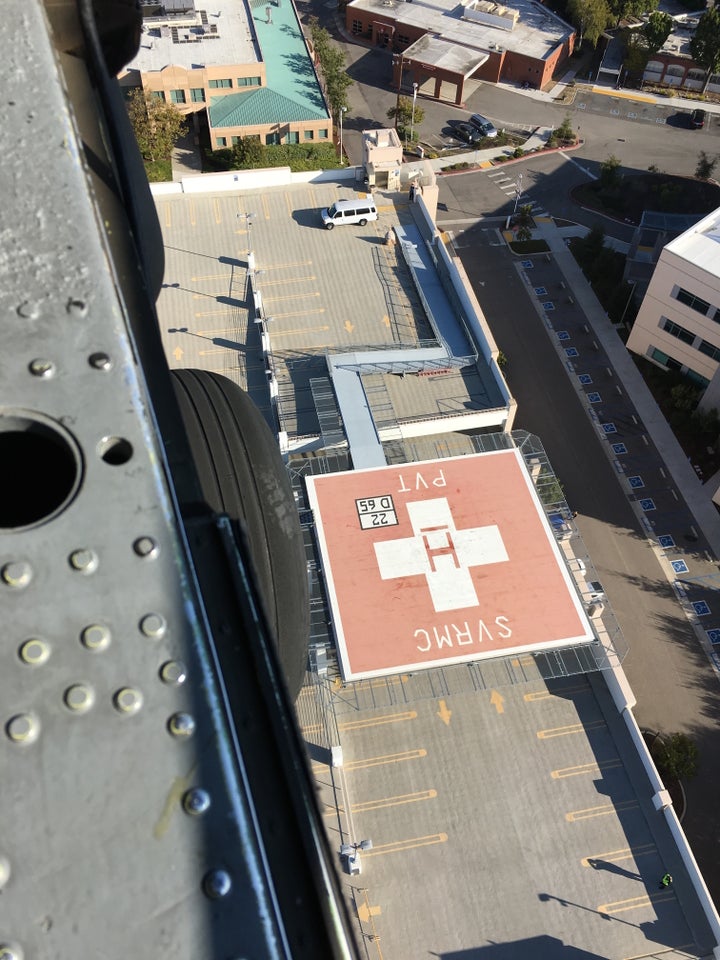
[[442, 553]]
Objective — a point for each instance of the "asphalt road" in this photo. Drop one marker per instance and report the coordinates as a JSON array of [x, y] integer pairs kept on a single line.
[[667, 670]]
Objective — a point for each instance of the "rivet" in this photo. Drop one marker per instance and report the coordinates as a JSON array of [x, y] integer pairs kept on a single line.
[[41, 368], [128, 700], [11, 951], [217, 884], [30, 309], [146, 547], [181, 725], [100, 361], [96, 637], [153, 625], [17, 573], [84, 561], [23, 728], [174, 672], [196, 802], [5, 871], [79, 698], [77, 307], [34, 652]]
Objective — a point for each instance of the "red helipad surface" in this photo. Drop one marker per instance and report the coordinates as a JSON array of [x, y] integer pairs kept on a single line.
[[441, 562]]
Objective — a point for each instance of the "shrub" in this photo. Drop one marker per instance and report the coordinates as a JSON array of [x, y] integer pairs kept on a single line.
[[676, 756]]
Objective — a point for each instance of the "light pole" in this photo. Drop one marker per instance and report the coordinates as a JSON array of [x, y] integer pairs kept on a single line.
[[342, 158], [412, 122], [632, 291], [397, 99], [518, 191], [248, 218]]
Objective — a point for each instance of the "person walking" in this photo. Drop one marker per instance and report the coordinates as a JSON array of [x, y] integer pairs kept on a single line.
[[665, 881]]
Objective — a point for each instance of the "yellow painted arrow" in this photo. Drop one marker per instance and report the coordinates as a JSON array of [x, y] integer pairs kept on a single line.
[[178, 353], [365, 911], [444, 713], [497, 701], [349, 326]]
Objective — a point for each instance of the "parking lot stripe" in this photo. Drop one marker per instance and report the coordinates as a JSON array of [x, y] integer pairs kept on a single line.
[[571, 728], [367, 805], [626, 853], [269, 283], [386, 758], [293, 296], [399, 845], [549, 695], [601, 811], [621, 906], [297, 313], [591, 768], [377, 721]]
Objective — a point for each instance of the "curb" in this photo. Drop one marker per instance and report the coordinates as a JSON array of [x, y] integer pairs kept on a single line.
[[511, 161]]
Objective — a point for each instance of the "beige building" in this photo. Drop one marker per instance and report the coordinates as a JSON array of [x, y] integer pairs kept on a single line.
[[678, 325], [246, 67]]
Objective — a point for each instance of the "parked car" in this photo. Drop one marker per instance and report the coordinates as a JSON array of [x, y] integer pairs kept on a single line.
[[482, 124], [466, 132], [697, 119]]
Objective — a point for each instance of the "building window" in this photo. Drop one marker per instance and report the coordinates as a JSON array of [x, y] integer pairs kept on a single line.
[[403, 40], [664, 360], [158, 94], [272, 139], [292, 137], [197, 95], [709, 350], [697, 379], [675, 70], [675, 330], [222, 141], [234, 140], [695, 303], [216, 84], [308, 134], [248, 81], [177, 96], [322, 134], [357, 26], [696, 75]]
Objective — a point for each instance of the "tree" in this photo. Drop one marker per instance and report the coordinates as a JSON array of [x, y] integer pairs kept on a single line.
[[610, 175], [656, 30], [333, 73], [565, 131], [157, 124], [247, 152], [623, 9], [636, 55], [705, 44], [677, 756], [591, 17], [705, 166], [402, 113]]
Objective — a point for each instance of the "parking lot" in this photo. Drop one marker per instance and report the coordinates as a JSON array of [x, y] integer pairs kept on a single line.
[[506, 814]]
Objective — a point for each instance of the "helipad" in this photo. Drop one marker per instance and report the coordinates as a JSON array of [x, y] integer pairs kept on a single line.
[[440, 562]]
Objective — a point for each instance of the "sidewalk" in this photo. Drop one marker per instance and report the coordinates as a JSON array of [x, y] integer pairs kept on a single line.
[[682, 472]]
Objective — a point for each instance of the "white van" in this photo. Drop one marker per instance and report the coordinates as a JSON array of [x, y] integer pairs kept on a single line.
[[359, 211]]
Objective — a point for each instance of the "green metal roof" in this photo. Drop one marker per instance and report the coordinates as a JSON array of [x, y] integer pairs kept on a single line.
[[292, 93], [257, 107]]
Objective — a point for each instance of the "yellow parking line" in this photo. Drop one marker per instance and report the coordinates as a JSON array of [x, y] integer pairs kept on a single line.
[[292, 296], [271, 283], [368, 805], [217, 313], [266, 208], [603, 810], [378, 721], [590, 768], [622, 96], [284, 266], [216, 209], [386, 758], [633, 903], [571, 728], [549, 695], [297, 313], [399, 845], [625, 853], [209, 276], [191, 209]]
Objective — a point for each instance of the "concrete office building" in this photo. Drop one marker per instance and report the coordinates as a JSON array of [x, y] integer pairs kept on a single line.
[[246, 65], [678, 325], [445, 44]]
